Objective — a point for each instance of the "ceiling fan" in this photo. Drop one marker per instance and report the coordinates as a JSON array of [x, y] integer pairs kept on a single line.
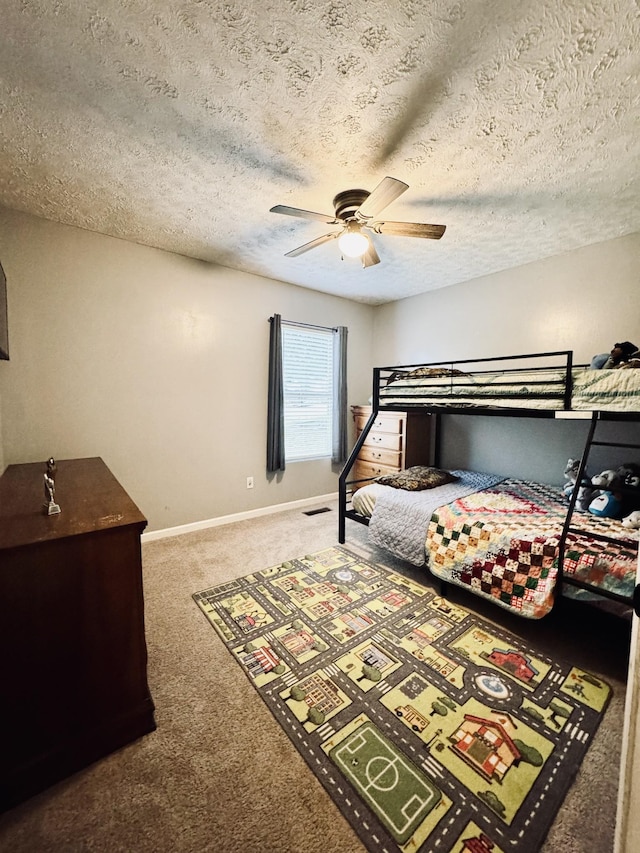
[[356, 210]]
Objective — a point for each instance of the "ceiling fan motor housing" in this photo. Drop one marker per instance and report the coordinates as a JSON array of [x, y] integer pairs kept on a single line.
[[346, 203]]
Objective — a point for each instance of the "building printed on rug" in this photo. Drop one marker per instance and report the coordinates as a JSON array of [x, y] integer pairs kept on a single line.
[[486, 745]]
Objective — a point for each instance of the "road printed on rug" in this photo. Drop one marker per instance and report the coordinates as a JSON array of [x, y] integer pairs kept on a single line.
[[430, 728]]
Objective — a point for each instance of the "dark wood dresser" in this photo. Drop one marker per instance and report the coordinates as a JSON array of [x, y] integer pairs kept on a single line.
[[73, 657]]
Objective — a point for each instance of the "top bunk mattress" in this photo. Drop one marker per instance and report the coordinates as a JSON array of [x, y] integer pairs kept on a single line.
[[538, 388], [606, 390]]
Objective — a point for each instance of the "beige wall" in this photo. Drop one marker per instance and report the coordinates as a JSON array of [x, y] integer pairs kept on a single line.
[[585, 300], [158, 364]]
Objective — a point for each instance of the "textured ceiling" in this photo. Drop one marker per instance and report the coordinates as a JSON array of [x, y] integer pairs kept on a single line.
[[179, 124]]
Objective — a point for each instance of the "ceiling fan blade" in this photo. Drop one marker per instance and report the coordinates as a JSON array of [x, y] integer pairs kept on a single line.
[[387, 191], [328, 219], [311, 245], [407, 229], [370, 257], [455, 55]]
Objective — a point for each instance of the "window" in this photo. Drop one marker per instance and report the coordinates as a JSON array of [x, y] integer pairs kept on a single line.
[[307, 393], [307, 368]]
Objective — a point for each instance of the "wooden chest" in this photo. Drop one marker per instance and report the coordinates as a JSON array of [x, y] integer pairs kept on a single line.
[[73, 668]]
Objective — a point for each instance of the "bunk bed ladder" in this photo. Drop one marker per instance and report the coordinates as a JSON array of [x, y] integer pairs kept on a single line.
[[345, 513], [343, 480], [569, 528]]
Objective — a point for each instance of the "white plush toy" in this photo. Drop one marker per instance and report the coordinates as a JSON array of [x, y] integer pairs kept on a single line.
[[608, 504], [632, 521], [606, 480]]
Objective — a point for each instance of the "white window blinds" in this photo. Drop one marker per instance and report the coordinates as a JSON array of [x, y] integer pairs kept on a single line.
[[307, 364]]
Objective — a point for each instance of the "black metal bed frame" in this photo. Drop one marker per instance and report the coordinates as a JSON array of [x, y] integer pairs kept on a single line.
[[382, 375]]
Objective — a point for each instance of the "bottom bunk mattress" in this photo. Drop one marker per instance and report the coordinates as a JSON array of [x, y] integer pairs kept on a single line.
[[500, 539], [400, 517], [502, 543]]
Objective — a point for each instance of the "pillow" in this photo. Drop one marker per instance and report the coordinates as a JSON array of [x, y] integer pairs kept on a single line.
[[433, 371], [417, 478], [419, 372]]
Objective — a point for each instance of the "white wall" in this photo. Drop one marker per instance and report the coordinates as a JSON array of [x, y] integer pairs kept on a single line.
[[158, 364], [585, 300]]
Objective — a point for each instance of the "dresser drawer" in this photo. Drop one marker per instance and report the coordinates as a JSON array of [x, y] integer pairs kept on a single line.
[[386, 440], [380, 456], [383, 423], [367, 470]]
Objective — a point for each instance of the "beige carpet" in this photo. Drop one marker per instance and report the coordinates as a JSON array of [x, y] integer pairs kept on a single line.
[[193, 786]]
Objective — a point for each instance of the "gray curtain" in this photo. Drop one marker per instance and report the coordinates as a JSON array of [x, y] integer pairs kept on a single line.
[[275, 406], [339, 444]]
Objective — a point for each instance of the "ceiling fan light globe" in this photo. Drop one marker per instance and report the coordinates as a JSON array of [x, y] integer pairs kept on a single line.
[[353, 244]]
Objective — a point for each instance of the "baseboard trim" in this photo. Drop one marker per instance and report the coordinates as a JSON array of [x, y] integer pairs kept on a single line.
[[238, 516]]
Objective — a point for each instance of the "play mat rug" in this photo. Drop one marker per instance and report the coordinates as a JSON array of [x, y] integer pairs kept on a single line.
[[430, 728]]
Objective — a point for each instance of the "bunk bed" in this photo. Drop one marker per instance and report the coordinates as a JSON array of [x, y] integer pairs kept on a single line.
[[517, 543]]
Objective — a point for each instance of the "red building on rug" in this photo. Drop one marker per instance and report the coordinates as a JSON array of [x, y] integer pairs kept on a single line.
[[486, 745], [480, 844], [514, 663]]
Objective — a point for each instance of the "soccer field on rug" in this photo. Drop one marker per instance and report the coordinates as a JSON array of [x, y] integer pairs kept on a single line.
[[430, 728]]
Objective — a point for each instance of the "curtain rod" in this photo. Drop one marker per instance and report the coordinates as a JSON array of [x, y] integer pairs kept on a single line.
[[307, 325]]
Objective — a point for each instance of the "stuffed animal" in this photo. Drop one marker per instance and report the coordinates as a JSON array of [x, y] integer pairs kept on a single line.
[[586, 495], [632, 521], [629, 475], [585, 491], [570, 475], [607, 479], [608, 504]]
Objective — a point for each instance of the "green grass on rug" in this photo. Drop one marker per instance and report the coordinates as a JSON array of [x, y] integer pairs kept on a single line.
[[430, 728]]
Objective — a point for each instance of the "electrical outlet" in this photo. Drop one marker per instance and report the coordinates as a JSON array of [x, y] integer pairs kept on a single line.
[[249, 482]]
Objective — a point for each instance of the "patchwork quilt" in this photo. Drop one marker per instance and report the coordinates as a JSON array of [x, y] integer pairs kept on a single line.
[[400, 518], [503, 544]]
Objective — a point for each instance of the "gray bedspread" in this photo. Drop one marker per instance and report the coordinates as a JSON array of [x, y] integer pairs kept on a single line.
[[400, 518]]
